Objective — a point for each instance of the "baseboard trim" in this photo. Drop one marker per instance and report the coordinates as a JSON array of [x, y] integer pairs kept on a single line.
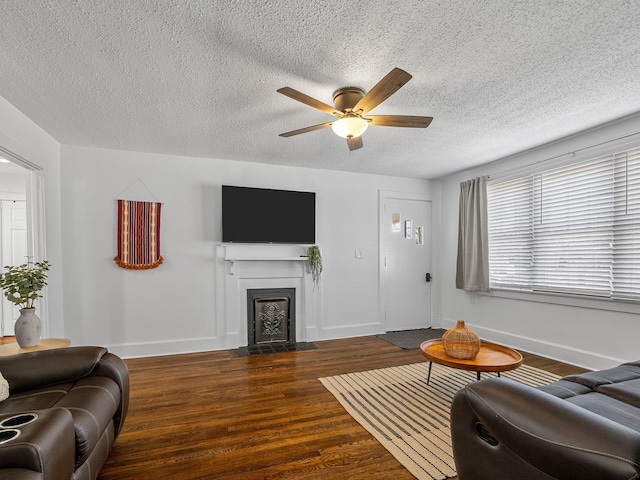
[[173, 347], [350, 331], [554, 351], [230, 341]]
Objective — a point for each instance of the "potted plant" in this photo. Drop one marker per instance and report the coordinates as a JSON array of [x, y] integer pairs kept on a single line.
[[22, 286], [315, 263]]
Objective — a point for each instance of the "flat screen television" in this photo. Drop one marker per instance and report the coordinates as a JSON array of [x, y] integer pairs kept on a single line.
[[260, 215]]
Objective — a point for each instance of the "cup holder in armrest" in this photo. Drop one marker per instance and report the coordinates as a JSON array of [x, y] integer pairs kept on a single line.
[[10, 434], [18, 420]]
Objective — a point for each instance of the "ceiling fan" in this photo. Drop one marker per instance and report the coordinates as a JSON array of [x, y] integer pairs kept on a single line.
[[352, 106]]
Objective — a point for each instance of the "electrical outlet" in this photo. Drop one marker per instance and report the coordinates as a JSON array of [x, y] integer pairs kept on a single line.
[[359, 254]]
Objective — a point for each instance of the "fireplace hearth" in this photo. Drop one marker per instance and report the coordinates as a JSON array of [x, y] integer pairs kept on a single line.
[[274, 348]]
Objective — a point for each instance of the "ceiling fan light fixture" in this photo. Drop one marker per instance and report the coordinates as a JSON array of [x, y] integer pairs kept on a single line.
[[352, 106], [349, 127]]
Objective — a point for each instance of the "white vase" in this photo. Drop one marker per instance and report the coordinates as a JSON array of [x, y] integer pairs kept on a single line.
[[28, 328]]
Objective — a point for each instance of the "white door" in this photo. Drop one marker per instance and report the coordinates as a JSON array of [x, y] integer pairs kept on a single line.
[[405, 239], [13, 251]]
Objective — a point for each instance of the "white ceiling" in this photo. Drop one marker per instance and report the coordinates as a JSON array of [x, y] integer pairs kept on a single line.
[[199, 77]]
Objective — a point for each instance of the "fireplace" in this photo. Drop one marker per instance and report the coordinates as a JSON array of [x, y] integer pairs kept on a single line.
[[243, 267], [271, 316]]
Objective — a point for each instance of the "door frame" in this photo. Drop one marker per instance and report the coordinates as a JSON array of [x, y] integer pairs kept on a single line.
[[36, 239], [434, 305], [8, 311]]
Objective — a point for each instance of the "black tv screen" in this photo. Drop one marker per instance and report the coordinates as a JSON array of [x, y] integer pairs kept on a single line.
[[259, 215]]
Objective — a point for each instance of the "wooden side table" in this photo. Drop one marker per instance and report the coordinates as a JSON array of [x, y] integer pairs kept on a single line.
[[491, 358], [43, 344]]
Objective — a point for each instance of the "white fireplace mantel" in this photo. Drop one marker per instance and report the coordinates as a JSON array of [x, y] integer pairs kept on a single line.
[[240, 267], [237, 251], [266, 259]]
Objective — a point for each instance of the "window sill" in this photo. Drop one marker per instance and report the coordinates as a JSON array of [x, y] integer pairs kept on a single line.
[[567, 300]]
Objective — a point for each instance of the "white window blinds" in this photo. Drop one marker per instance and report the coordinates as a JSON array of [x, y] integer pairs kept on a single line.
[[574, 229], [626, 237]]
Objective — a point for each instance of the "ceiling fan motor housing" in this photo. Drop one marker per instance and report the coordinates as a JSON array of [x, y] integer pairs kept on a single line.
[[347, 97]]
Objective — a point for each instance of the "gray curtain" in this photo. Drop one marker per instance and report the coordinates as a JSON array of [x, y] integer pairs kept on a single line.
[[472, 273]]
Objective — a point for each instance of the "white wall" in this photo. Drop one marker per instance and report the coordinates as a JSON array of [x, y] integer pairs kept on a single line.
[[172, 308], [24, 138], [583, 334], [12, 183]]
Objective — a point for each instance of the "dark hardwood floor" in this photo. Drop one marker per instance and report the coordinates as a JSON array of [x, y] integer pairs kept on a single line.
[[214, 415]]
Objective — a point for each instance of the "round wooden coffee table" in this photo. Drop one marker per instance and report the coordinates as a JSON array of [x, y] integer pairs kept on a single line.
[[491, 358]]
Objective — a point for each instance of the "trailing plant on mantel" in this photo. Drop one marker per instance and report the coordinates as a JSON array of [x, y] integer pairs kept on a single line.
[[315, 263], [22, 284]]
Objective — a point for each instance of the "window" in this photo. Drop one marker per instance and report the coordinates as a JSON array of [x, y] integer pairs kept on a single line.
[[570, 230]]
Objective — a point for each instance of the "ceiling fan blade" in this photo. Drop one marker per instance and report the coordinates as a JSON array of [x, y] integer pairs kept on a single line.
[[399, 121], [306, 129], [354, 143], [307, 100], [382, 90]]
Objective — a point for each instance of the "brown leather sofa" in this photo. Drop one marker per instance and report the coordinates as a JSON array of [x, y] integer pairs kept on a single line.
[[65, 409], [583, 426]]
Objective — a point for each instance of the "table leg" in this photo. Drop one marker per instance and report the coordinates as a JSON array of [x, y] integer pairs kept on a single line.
[[478, 375], [429, 374]]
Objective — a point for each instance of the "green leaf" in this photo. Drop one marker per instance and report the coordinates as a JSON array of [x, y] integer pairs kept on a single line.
[[22, 284]]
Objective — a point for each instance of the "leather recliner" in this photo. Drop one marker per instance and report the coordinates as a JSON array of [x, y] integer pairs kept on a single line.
[[583, 426], [65, 410]]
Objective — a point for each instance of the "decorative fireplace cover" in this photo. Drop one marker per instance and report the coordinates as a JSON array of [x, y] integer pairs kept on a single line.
[[271, 316]]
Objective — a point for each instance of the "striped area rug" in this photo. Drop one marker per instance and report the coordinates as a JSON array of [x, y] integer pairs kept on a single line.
[[410, 418]]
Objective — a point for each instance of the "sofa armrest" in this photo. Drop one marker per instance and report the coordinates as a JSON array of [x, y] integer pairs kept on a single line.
[[20, 474], [49, 367], [46, 445], [503, 429], [114, 367]]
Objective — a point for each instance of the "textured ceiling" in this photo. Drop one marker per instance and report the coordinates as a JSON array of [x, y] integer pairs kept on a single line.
[[199, 77]]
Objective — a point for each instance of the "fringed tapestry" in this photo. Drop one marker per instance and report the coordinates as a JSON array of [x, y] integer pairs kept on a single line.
[[138, 235]]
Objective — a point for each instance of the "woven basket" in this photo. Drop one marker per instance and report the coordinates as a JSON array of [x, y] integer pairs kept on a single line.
[[461, 342]]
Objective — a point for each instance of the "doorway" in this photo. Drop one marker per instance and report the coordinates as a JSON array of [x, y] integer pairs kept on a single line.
[[405, 260], [21, 226], [13, 250]]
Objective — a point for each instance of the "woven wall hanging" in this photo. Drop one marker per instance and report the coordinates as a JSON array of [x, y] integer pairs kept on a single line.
[[138, 235]]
